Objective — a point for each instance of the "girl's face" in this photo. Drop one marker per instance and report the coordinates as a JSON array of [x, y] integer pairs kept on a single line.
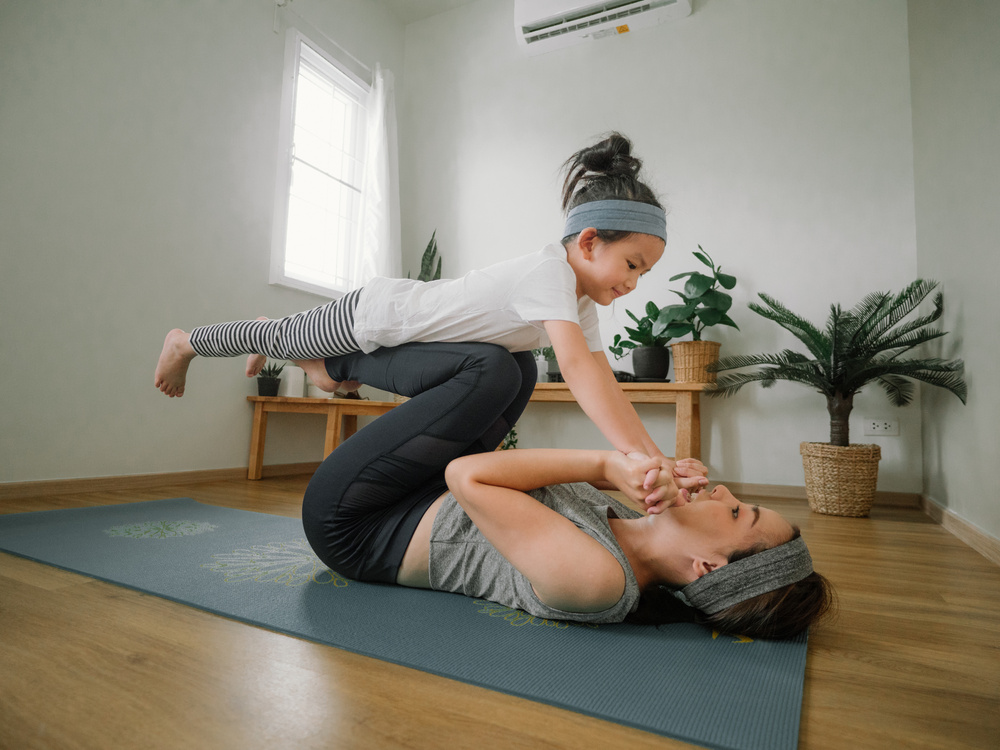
[[612, 270]]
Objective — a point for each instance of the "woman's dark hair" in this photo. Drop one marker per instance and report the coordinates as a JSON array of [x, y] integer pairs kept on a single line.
[[782, 613], [605, 171]]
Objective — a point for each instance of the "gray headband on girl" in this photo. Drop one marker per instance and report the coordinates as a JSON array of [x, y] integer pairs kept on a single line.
[[623, 216], [752, 576]]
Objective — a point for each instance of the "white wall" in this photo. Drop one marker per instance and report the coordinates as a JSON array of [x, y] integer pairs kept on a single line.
[[137, 159], [955, 67], [138, 146], [779, 132]]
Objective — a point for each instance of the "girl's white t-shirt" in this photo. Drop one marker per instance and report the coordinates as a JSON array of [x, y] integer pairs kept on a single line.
[[503, 304]]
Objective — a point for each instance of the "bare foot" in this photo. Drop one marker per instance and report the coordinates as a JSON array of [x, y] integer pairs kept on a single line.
[[171, 369], [319, 377], [255, 362], [348, 389]]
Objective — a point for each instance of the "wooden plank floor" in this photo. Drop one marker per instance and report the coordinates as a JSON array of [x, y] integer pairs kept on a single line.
[[913, 660]]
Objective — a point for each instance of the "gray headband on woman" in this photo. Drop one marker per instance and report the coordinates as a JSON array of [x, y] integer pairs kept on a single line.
[[622, 216], [752, 576]]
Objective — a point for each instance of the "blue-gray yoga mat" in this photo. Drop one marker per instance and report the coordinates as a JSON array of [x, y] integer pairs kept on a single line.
[[682, 681]]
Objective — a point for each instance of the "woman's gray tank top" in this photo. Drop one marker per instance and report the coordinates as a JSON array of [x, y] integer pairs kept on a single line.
[[464, 562]]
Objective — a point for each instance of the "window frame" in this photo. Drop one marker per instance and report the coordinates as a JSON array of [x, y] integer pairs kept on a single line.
[[294, 40]]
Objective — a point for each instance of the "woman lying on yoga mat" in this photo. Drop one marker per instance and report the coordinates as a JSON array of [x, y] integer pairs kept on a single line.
[[420, 498]]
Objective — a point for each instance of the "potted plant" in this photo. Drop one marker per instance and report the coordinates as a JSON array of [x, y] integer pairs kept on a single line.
[[650, 355], [269, 380], [704, 304], [549, 355], [427, 270], [859, 346], [509, 440]]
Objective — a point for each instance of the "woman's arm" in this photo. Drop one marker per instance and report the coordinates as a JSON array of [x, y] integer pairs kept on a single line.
[[568, 569]]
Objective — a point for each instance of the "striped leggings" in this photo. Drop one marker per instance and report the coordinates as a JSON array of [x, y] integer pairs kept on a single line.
[[325, 331]]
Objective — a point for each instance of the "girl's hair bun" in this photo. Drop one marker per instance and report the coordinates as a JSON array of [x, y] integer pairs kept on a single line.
[[605, 171], [612, 156]]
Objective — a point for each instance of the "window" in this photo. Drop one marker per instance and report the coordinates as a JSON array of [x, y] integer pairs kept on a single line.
[[321, 166]]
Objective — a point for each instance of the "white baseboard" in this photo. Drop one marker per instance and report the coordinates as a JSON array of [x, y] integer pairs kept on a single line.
[[986, 545]]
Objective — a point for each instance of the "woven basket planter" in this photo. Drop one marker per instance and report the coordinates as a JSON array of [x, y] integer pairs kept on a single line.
[[690, 359], [840, 481]]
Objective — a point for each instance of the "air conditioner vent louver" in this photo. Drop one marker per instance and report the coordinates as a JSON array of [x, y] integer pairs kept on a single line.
[[549, 24], [559, 30]]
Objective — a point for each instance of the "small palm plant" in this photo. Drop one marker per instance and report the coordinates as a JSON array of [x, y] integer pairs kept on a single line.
[[859, 346]]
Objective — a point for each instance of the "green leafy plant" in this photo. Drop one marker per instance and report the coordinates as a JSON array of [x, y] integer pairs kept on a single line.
[[427, 270], [704, 303], [509, 440], [641, 335], [547, 353], [271, 371], [859, 346]]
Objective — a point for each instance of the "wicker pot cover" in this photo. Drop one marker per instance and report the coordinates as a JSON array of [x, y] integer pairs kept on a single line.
[[840, 481], [690, 358]]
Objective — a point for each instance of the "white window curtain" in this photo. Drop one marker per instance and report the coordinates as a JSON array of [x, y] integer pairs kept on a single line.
[[378, 246]]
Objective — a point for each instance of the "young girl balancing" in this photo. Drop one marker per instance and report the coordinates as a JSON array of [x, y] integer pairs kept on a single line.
[[615, 232]]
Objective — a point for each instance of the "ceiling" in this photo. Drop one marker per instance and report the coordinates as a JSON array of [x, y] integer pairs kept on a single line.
[[408, 11]]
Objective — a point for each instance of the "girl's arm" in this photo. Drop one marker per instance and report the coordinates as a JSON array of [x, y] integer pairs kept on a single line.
[[689, 473], [568, 569], [591, 380]]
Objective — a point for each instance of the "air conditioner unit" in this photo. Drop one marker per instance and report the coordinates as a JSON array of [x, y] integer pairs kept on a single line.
[[545, 25]]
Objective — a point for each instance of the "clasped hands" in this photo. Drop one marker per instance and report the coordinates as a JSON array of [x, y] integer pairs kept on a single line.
[[654, 481]]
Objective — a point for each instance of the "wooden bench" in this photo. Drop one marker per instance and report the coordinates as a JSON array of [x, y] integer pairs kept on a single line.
[[687, 396], [342, 414]]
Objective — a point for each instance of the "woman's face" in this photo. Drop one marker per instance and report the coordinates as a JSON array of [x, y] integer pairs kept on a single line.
[[719, 524]]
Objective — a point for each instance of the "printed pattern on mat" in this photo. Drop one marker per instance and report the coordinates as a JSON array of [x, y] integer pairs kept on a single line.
[[160, 529], [288, 563], [517, 618]]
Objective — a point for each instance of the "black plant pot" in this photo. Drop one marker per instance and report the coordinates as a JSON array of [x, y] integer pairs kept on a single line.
[[651, 362], [555, 376], [268, 386]]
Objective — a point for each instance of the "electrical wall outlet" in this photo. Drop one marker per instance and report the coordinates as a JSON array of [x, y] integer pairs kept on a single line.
[[881, 426]]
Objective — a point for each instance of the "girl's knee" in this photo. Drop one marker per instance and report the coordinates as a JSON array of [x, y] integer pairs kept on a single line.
[[528, 368], [500, 368]]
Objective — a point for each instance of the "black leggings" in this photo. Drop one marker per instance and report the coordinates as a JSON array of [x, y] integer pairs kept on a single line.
[[365, 500]]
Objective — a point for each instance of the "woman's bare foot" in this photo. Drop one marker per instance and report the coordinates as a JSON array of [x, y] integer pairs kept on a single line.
[[171, 369], [255, 362], [319, 377]]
